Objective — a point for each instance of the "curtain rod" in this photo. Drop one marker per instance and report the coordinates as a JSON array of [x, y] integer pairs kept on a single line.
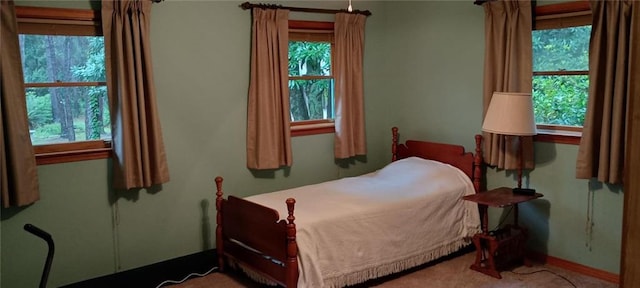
[[479, 2], [247, 5]]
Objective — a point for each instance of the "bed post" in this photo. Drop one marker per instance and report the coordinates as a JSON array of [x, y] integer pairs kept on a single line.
[[477, 167], [219, 241], [394, 144], [292, 247]]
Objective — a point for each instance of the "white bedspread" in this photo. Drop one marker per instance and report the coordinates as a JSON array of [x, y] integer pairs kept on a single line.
[[358, 228]]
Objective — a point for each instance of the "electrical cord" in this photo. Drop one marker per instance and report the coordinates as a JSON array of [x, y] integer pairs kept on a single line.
[[504, 218], [187, 277], [544, 270]]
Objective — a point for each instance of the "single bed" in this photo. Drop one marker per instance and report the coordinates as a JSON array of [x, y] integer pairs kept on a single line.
[[350, 230]]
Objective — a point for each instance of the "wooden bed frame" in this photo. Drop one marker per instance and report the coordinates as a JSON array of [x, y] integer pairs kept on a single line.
[[274, 253]]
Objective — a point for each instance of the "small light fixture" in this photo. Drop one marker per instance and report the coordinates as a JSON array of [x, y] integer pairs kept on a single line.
[[511, 114], [350, 8]]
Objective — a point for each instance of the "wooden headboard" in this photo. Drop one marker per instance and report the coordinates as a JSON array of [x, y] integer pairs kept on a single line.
[[451, 154]]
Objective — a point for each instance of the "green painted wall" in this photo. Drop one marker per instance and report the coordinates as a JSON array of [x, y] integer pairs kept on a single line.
[[423, 73], [437, 64], [201, 61]]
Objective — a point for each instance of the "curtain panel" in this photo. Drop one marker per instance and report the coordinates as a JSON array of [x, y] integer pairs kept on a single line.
[[268, 119], [508, 67], [18, 170], [614, 67], [350, 138], [138, 147], [629, 262]]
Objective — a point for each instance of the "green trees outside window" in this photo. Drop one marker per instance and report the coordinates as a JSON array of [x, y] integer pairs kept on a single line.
[[65, 88], [560, 69], [310, 80]]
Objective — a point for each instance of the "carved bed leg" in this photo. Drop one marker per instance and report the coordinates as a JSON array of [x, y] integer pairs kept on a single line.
[[394, 144], [292, 247], [477, 167], [219, 241]]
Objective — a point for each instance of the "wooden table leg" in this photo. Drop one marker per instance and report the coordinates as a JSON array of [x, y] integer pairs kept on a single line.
[[486, 247]]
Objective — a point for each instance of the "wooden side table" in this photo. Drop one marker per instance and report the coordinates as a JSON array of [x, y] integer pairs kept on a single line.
[[502, 248]]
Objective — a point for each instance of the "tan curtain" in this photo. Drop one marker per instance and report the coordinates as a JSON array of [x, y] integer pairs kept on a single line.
[[139, 155], [630, 262], [268, 132], [18, 170], [350, 137], [507, 68], [613, 66]]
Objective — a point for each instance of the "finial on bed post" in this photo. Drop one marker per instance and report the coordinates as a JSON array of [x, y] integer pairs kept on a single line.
[[394, 144], [477, 167], [292, 248], [219, 241]]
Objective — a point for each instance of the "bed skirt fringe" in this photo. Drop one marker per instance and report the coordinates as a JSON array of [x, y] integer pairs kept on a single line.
[[252, 274], [397, 266], [368, 273]]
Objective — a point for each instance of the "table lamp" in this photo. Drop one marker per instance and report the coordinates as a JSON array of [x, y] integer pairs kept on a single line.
[[511, 114]]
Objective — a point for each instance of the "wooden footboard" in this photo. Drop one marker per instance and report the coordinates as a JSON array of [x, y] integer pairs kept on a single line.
[[254, 236]]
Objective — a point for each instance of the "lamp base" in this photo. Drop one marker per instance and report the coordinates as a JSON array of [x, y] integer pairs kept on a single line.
[[524, 191]]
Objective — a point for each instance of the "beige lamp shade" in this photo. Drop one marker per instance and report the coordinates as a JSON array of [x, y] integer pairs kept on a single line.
[[510, 113]]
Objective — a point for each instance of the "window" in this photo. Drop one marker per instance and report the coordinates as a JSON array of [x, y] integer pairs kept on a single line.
[[561, 70], [63, 65], [310, 77]]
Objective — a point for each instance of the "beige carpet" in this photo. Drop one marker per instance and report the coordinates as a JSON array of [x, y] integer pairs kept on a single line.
[[450, 273]]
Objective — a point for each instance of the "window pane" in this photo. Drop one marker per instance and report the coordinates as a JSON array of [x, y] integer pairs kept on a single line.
[[53, 58], [68, 114], [65, 114], [560, 100], [561, 49], [311, 99], [309, 58]]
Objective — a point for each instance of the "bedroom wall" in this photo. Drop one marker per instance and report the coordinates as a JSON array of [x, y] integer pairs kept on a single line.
[[201, 63], [437, 64], [423, 73]]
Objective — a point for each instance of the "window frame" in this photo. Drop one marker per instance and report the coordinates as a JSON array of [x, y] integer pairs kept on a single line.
[[560, 133], [77, 150], [317, 126]]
